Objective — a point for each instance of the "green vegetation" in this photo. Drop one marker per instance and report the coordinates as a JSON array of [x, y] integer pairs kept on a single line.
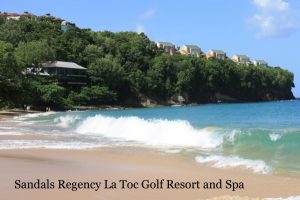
[[124, 68]]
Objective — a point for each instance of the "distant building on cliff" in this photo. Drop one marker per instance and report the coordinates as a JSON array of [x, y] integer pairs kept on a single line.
[[260, 63], [241, 59], [219, 54], [65, 25], [193, 50], [15, 16], [168, 47]]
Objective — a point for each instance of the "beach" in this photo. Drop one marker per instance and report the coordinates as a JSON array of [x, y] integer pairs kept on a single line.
[[62, 148], [149, 100], [115, 164]]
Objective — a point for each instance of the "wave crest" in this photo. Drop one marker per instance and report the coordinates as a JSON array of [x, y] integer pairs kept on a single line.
[[274, 137], [156, 132], [34, 115], [257, 166], [66, 121]]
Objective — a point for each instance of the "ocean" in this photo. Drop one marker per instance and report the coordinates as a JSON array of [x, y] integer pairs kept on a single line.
[[262, 138]]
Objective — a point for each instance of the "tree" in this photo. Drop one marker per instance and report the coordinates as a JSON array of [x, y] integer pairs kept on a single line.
[[94, 95], [71, 44], [34, 53], [51, 94], [92, 52], [2, 20], [107, 72], [10, 73], [123, 68]]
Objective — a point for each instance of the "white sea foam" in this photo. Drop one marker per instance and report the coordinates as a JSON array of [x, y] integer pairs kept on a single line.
[[274, 137], [172, 150], [231, 136], [288, 198], [32, 144], [66, 121], [257, 166], [156, 133], [11, 133], [34, 115], [6, 128]]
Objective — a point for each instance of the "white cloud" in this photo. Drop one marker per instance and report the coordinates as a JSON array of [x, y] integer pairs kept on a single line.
[[274, 18], [280, 5], [148, 14], [140, 29]]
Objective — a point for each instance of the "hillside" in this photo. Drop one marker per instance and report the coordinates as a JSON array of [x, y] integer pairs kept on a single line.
[[124, 68]]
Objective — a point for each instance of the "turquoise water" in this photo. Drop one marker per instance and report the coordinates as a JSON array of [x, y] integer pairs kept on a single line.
[[260, 137]]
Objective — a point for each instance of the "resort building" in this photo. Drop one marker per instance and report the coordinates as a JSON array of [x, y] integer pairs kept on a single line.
[[190, 50], [15, 16], [241, 59], [219, 54], [260, 63], [168, 47], [67, 72], [66, 25]]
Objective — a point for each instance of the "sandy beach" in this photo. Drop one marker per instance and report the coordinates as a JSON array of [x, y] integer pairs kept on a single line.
[[114, 164], [126, 163]]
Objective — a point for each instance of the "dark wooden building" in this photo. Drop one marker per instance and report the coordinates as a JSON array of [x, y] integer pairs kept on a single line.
[[68, 73]]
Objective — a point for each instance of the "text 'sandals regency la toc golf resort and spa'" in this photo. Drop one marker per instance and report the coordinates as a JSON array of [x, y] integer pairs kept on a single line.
[[112, 100]]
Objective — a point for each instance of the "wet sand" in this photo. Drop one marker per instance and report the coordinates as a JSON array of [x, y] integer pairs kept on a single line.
[[10, 113], [114, 164]]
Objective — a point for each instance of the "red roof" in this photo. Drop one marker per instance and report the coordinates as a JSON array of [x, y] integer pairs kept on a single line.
[[7, 14]]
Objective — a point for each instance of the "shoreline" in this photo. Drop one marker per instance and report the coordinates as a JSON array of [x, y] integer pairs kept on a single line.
[[16, 111], [132, 163], [135, 164]]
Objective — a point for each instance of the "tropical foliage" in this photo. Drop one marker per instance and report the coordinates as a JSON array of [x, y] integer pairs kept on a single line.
[[124, 68]]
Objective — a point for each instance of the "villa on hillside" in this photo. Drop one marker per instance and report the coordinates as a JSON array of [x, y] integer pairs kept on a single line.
[[68, 73], [219, 54], [65, 25], [168, 47], [15, 16], [241, 59], [260, 63], [190, 50]]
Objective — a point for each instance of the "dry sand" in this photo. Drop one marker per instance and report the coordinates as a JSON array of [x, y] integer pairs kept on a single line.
[[132, 164]]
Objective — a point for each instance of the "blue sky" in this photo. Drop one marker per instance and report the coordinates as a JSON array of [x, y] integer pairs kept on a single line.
[[261, 29]]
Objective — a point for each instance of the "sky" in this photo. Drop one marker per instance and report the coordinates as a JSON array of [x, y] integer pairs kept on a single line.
[[261, 29]]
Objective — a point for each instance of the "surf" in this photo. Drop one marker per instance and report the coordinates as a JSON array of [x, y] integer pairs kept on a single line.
[[151, 132]]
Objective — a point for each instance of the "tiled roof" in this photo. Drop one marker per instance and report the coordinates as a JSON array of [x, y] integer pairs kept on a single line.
[[261, 61], [192, 46], [7, 14], [242, 56], [168, 44], [218, 51]]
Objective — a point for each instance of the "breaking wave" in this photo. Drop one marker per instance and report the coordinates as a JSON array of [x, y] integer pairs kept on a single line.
[[257, 166], [66, 121], [34, 115], [274, 137], [155, 132]]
